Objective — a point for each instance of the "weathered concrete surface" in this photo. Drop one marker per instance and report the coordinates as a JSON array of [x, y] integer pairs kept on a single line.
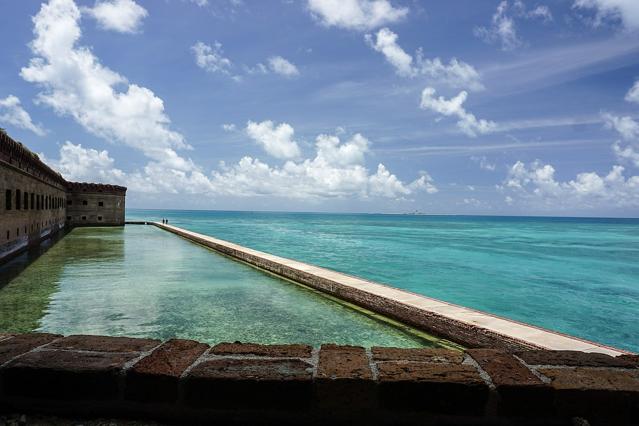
[[466, 326]]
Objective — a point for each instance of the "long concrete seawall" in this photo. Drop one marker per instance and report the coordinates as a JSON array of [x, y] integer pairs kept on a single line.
[[465, 326]]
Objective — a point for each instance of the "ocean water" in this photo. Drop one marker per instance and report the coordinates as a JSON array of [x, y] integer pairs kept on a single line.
[[142, 281], [577, 276]]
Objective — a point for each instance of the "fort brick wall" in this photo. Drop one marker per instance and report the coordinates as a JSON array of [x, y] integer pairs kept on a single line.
[[37, 202], [90, 204], [188, 382]]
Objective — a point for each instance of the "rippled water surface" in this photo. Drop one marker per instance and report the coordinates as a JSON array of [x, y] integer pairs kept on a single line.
[[145, 282], [578, 276]]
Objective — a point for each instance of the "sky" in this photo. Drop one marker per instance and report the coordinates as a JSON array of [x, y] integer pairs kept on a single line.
[[510, 107]]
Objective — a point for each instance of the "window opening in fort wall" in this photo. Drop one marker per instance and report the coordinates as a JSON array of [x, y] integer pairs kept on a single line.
[[39, 202]]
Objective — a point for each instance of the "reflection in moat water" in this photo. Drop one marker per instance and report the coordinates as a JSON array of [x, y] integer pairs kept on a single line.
[[23, 301], [140, 281]]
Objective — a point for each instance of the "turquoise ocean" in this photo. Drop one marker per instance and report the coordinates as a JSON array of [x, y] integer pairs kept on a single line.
[[574, 275]]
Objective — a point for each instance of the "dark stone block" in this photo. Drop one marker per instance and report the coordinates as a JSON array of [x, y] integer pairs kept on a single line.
[[571, 359], [433, 388], [632, 359], [274, 351], [156, 377], [521, 392], [23, 343], [105, 344], [268, 384], [64, 375], [344, 379], [608, 395], [445, 356]]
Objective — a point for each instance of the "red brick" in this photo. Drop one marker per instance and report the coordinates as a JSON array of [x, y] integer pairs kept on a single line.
[[610, 395], [571, 359], [250, 384], [64, 374], [156, 377], [105, 344], [418, 355], [273, 351], [435, 388], [344, 378], [343, 362], [520, 391], [23, 343]]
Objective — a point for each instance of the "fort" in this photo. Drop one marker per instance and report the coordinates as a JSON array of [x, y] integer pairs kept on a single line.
[[501, 371], [39, 202]]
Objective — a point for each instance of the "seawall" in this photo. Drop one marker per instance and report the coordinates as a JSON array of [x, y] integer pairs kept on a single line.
[[468, 327]]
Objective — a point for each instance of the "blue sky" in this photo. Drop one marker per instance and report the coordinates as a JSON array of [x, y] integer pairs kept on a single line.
[[460, 107]]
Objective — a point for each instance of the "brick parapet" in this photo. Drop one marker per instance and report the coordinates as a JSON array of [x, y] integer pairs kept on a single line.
[[189, 381], [95, 188], [21, 157]]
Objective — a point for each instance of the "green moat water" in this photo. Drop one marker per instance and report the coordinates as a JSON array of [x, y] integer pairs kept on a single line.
[[141, 281]]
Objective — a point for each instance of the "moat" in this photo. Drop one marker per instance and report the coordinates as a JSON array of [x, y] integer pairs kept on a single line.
[[141, 281]]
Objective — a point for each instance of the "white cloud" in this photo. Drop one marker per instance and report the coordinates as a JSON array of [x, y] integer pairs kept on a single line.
[[337, 170], [74, 83], [629, 153], [11, 112], [200, 3], [386, 43], [503, 28], [625, 126], [536, 184], [211, 58], [468, 123], [283, 67], [484, 164], [124, 16], [625, 11], [86, 165], [457, 74], [229, 127], [358, 15], [628, 129], [633, 93], [276, 141]]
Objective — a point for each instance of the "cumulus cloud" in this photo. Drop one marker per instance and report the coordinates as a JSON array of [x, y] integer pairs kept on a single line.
[[633, 93], [229, 127], [468, 123], [277, 141], [624, 11], [74, 83], [11, 112], [123, 16], [77, 163], [536, 183], [337, 170], [281, 66], [503, 27], [457, 74], [626, 149], [211, 58], [359, 15]]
